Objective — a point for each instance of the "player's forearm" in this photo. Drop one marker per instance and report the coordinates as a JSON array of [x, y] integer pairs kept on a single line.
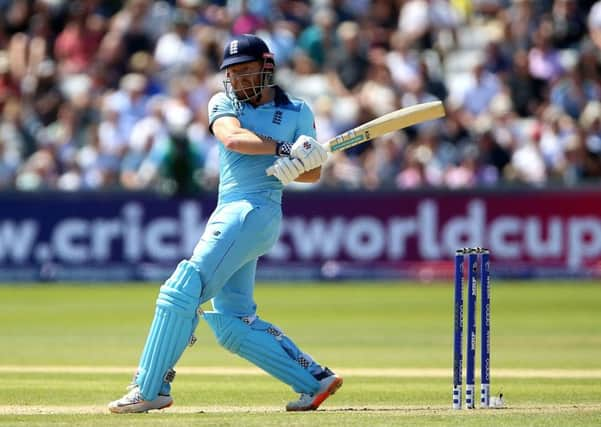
[[246, 142]]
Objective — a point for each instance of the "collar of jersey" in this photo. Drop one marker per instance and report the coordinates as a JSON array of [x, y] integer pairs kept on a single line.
[[280, 99]]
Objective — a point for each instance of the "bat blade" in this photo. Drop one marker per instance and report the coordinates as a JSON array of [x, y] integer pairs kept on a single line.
[[390, 122]]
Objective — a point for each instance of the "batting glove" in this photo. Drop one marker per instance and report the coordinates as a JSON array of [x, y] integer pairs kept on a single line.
[[309, 152], [286, 169]]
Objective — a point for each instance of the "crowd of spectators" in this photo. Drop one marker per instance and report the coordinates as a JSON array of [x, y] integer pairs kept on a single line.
[[105, 95]]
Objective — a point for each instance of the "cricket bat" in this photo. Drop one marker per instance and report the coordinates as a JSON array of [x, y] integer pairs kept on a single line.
[[390, 122]]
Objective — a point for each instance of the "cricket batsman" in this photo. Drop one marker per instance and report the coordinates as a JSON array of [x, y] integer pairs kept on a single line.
[[259, 127]]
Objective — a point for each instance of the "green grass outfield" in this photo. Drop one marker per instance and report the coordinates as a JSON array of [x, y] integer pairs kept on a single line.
[[65, 351]]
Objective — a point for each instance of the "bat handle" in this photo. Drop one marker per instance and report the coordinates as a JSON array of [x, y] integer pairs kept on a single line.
[[270, 170]]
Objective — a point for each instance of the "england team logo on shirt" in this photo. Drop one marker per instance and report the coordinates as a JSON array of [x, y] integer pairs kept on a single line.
[[277, 117]]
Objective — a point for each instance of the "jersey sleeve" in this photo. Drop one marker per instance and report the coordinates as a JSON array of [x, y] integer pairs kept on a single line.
[[306, 122], [220, 106]]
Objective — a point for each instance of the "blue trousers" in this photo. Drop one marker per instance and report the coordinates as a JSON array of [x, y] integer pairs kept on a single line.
[[236, 235], [222, 269]]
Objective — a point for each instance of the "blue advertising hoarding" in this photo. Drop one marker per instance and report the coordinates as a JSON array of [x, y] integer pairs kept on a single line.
[[131, 236]]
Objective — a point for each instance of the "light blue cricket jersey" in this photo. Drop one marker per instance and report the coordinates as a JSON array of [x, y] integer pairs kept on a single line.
[[284, 119]]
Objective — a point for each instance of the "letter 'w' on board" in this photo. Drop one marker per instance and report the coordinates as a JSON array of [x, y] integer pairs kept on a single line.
[[389, 122]]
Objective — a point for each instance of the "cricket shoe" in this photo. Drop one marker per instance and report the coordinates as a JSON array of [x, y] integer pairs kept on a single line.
[[329, 383], [133, 402]]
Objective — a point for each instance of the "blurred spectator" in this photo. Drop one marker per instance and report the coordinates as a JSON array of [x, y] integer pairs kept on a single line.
[[350, 59], [319, 38], [135, 38], [568, 23], [492, 157], [555, 130], [143, 140], [485, 86], [381, 162], [432, 83], [296, 12], [376, 94], [110, 63], [484, 7], [76, 45], [280, 36], [43, 93], [181, 161], [496, 60], [452, 129], [11, 134], [402, 62], [247, 20], [8, 85], [177, 49], [426, 162], [112, 140], [575, 168], [573, 92], [129, 102], [526, 91], [594, 24], [588, 60], [9, 162], [148, 18], [39, 172], [172, 161], [520, 23], [143, 63], [502, 121], [462, 175], [544, 60], [414, 22], [304, 80], [590, 122], [27, 50], [421, 21], [527, 162], [16, 16], [412, 174]]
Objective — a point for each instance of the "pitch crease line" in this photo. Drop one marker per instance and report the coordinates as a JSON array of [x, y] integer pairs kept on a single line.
[[400, 410], [349, 372]]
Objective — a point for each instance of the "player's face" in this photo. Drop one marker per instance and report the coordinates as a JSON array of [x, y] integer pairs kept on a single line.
[[245, 79]]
